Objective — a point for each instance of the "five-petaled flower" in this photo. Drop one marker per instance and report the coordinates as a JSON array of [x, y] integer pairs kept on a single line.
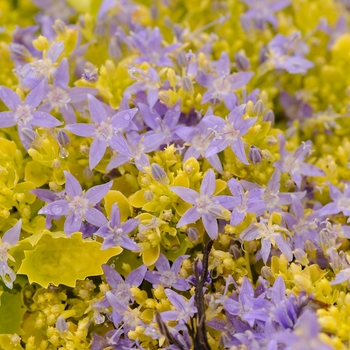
[[78, 205]]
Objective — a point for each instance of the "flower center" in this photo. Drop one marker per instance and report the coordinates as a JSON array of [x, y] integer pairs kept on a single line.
[[23, 115], [44, 67], [79, 205], [168, 278], [104, 131], [117, 234], [343, 203], [230, 132], [203, 203], [58, 98], [200, 142], [122, 292], [222, 86], [242, 208]]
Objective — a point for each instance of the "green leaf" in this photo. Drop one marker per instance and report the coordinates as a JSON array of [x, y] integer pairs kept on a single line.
[[58, 259], [11, 313]]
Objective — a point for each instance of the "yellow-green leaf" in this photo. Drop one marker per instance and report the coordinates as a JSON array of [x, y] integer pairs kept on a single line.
[[59, 259], [11, 312], [124, 206]]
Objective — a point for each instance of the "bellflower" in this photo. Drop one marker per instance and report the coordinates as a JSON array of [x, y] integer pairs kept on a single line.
[[106, 131], [306, 331], [78, 205], [184, 311], [7, 241], [270, 234], [249, 202], [199, 139], [61, 97], [288, 53], [168, 276], [205, 206], [115, 233], [222, 85], [341, 201], [262, 11], [24, 114], [229, 132], [294, 163]]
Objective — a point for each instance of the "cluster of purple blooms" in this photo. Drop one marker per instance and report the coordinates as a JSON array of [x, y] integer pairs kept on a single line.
[[282, 222]]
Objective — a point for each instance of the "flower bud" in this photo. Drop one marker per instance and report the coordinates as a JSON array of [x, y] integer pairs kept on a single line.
[[29, 135], [187, 85], [242, 62], [269, 116], [255, 155], [63, 138], [259, 108], [159, 174], [193, 233]]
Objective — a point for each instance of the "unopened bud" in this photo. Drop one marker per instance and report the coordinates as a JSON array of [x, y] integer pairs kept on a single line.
[[159, 174], [113, 48], [187, 85], [29, 135], [59, 26], [193, 233], [242, 62], [269, 116], [63, 138], [255, 155], [259, 108], [90, 76]]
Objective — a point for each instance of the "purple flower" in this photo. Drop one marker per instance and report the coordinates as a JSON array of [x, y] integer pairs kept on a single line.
[[342, 276], [163, 130], [184, 311], [262, 11], [287, 53], [305, 334], [205, 206], [34, 73], [61, 97], [271, 194], [168, 276], [249, 202], [121, 288], [341, 201], [199, 139], [24, 114], [149, 44], [79, 205], [135, 148], [222, 85], [294, 107], [229, 131], [294, 164], [7, 241], [269, 234], [115, 233], [106, 131]]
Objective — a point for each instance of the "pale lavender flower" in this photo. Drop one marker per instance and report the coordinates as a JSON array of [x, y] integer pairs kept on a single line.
[[287, 53], [115, 233], [245, 202], [205, 205], [294, 163], [184, 311], [35, 72], [60, 96], [339, 28], [341, 201], [168, 276], [163, 129], [106, 131], [48, 197], [229, 132], [269, 234], [121, 288], [342, 276], [199, 139], [305, 334], [135, 148], [24, 114], [271, 194], [7, 241], [78, 205], [221, 86], [149, 44], [145, 82], [262, 11], [294, 107], [246, 306]]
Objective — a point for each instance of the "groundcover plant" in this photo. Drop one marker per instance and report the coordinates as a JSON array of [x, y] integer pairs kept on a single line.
[[174, 174]]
